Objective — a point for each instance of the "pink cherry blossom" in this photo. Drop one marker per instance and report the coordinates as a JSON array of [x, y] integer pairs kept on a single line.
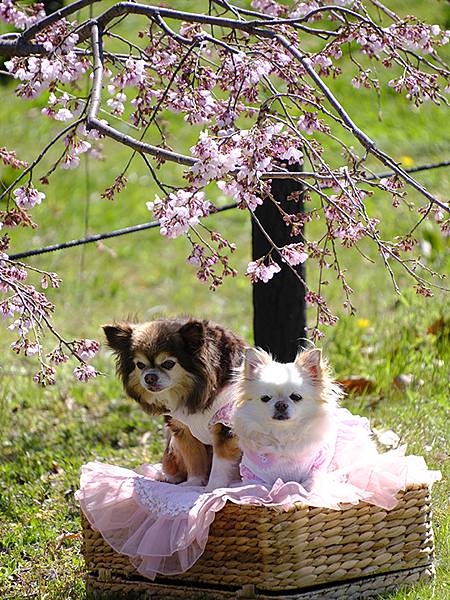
[[84, 372], [86, 348], [70, 161], [294, 254], [28, 197], [260, 271], [180, 211]]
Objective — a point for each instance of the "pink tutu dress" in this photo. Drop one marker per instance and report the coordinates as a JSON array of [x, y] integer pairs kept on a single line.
[[163, 528]]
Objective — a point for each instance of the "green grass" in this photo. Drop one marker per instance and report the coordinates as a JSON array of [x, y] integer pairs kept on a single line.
[[46, 435]]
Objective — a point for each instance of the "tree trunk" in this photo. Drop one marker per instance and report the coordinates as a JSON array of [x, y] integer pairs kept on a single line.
[[279, 317], [51, 6]]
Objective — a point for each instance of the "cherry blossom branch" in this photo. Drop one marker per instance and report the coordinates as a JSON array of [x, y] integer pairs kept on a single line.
[[368, 145], [123, 8], [364, 139], [168, 155], [62, 13], [139, 146], [40, 156], [97, 50], [34, 310], [252, 27], [94, 123]]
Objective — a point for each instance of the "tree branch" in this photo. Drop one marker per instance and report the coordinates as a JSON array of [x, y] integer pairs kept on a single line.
[[94, 123], [15, 47], [123, 8], [29, 33], [365, 140]]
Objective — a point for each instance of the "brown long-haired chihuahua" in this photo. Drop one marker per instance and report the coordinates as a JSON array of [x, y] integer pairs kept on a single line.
[[182, 369]]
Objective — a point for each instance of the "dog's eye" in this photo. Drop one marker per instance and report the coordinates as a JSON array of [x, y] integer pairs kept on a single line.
[[140, 365], [168, 364], [266, 398], [295, 397]]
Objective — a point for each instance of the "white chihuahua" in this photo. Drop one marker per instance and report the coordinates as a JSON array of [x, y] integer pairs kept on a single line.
[[283, 419]]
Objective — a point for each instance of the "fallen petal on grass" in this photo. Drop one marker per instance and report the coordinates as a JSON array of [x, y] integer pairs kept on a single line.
[[403, 381], [386, 437]]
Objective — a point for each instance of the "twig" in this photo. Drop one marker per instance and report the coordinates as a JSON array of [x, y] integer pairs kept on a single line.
[[41, 155], [365, 141], [29, 33]]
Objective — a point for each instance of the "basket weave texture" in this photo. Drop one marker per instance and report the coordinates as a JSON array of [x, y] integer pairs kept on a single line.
[[306, 547]]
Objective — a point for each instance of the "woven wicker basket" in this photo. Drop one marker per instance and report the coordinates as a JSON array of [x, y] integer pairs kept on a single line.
[[255, 552]]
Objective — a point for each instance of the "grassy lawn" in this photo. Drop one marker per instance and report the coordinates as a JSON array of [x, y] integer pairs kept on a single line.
[[47, 434]]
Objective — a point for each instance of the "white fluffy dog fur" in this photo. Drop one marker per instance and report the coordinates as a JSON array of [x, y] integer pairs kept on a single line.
[[284, 409]]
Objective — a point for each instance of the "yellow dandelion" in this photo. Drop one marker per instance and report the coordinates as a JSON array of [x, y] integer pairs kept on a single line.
[[363, 323], [407, 161]]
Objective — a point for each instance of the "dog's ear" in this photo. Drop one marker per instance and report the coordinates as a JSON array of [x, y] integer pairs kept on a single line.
[[255, 360], [193, 335], [118, 335], [311, 360]]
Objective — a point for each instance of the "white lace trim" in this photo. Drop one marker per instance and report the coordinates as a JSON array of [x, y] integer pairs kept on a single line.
[[158, 501]]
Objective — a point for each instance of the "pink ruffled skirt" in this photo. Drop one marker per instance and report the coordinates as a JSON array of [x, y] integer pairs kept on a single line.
[[163, 528]]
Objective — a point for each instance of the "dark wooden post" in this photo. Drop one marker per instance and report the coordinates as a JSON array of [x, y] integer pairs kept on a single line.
[[279, 317], [51, 6]]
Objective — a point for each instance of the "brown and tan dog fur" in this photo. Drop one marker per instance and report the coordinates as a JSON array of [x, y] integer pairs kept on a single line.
[[178, 368]]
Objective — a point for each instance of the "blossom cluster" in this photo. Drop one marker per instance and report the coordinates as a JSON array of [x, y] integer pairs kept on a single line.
[[180, 211], [9, 158], [211, 261], [62, 107], [245, 155], [29, 310], [262, 270], [419, 86], [21, 19], [27, 197], [63, 65]]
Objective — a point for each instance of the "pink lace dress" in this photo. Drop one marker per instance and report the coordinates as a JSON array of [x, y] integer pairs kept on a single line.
[[163, 528]]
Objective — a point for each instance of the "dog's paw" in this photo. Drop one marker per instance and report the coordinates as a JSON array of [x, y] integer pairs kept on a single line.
[[216, 484], [194, 481], [164, 478]]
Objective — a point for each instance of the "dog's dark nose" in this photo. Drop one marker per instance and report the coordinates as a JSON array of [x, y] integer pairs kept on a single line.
[[281, 406], [151, 378]]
